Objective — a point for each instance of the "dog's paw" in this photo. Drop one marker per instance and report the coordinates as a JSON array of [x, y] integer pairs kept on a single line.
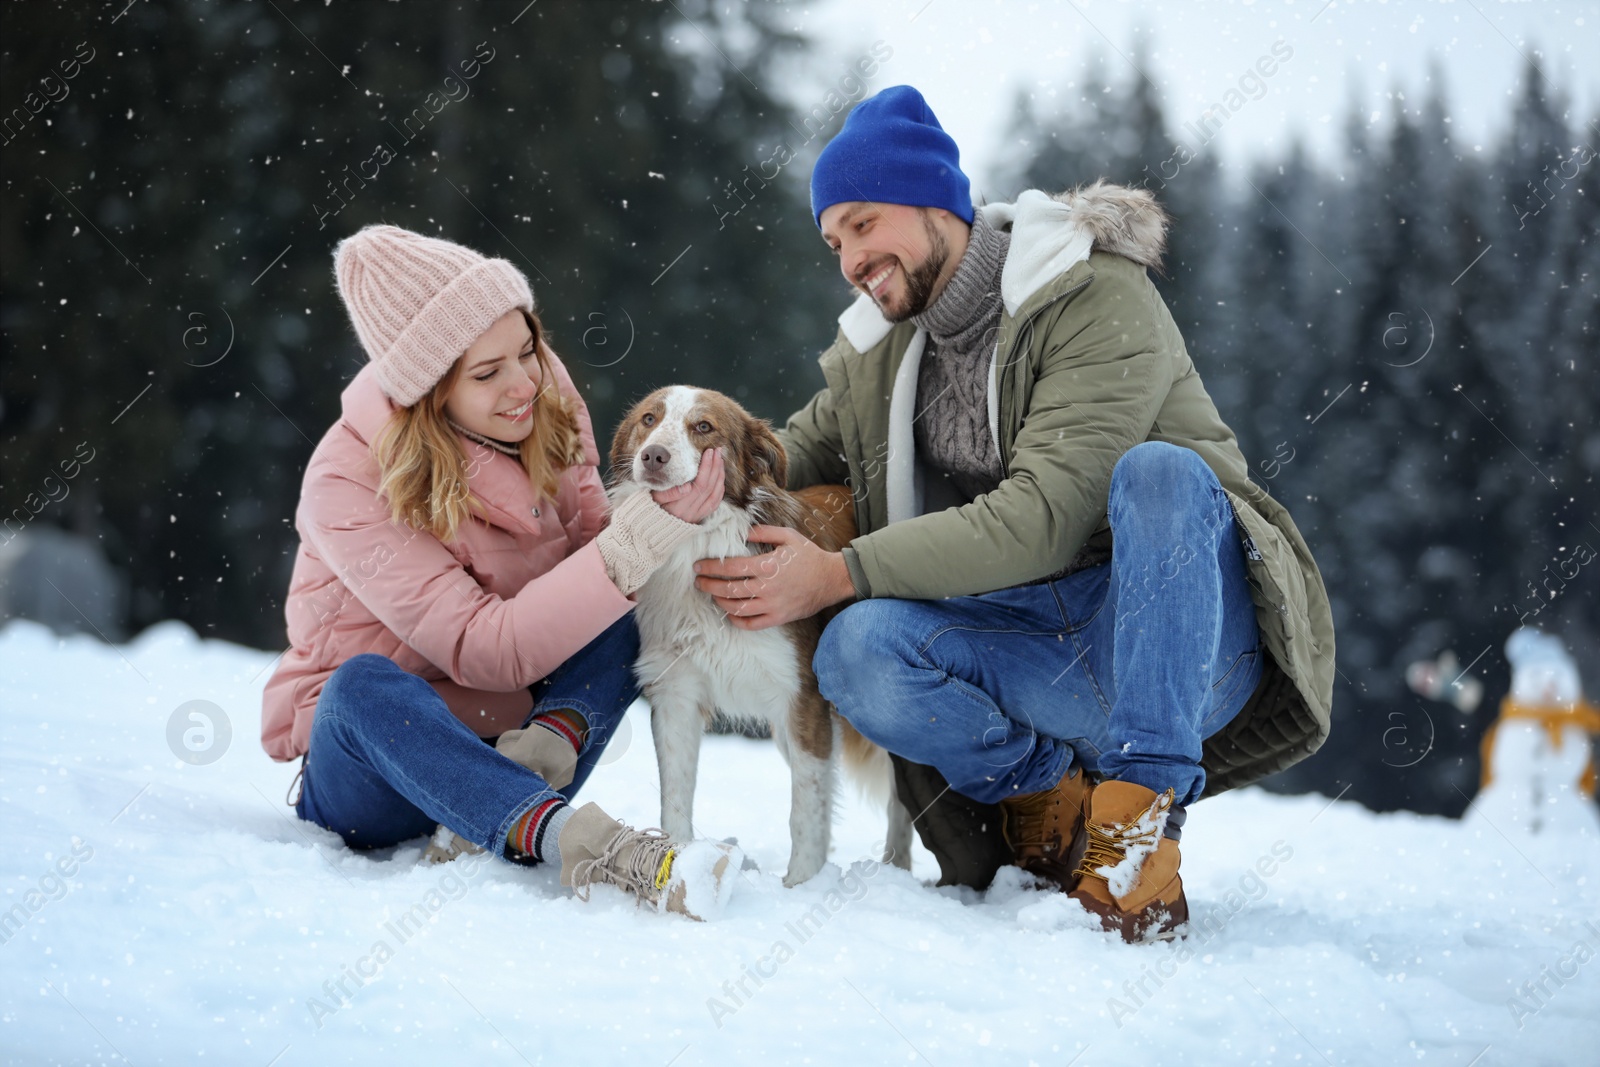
[[800, 873]]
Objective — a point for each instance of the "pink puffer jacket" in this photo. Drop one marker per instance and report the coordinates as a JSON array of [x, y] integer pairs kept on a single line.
[[480, 619]]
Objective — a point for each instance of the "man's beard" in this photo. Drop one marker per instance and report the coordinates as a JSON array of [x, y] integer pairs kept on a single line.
[[919, 282]]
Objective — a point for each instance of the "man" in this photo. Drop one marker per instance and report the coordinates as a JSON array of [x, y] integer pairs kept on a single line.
[[1071, 602]]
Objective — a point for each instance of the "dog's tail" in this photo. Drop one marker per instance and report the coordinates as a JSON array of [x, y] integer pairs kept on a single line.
[[873, 774], [867, 765]]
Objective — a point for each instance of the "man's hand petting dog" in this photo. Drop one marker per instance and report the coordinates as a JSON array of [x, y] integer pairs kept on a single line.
[[693, 501], [794, 581]]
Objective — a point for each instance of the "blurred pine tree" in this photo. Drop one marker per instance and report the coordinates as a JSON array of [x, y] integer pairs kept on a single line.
[[227, 150]]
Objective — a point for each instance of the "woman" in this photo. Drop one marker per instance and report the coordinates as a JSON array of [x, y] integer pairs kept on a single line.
[[457, 581]]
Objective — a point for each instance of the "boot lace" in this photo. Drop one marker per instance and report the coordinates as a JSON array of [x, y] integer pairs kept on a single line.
[[645, 872], [1108, 846], [1026, 818]]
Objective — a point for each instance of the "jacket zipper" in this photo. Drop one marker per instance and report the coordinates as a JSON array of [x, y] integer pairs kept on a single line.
[[1026, 336]]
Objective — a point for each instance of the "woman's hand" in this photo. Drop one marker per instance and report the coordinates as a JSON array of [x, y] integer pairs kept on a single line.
[[694, 500]]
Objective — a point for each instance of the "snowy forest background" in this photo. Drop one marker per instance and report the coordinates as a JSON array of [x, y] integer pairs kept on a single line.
[[1404, 340]]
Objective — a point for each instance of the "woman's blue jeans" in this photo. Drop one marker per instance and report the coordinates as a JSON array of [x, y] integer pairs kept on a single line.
[[1122, 668], [388, 761]]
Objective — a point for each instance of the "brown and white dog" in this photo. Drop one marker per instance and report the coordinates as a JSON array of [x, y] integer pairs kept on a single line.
[[692, 663]]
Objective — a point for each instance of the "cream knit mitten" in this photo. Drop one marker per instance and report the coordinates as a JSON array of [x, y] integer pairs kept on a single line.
[[641, 536]]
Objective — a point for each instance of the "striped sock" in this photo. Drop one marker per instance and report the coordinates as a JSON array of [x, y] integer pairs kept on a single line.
[[536, 833], [568, 723]]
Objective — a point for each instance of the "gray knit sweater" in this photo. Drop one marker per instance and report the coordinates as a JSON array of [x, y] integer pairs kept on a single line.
[[952, 416], [952, 421]]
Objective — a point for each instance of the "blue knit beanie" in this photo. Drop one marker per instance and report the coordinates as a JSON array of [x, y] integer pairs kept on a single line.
[[892, 150]]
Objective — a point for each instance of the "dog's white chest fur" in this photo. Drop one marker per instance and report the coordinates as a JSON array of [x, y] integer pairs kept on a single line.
[[747, 674]]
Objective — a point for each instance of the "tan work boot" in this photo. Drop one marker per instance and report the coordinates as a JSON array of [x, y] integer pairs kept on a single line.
[[1042, 827], [1129, 870], [693, 879]]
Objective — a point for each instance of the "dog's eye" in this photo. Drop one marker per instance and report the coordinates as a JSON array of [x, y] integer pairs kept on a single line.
[[703, 426], [649, 419]]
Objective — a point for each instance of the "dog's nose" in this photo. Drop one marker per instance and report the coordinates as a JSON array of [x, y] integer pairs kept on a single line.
[[654, 457]]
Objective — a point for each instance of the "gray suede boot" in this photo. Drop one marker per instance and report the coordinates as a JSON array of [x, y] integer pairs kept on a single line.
[[693, 879], [544, 752], [447, 845]]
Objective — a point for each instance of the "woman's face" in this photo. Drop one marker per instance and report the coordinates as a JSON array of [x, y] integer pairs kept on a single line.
[[493, 395]]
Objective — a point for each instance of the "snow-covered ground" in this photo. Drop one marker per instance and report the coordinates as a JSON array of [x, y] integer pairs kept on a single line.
[[200, 922]]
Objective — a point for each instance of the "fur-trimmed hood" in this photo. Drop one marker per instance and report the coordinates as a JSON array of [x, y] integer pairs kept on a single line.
[[1122, 220], [1049, 236]]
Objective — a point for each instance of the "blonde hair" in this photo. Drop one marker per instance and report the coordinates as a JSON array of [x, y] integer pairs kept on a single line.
[[424, 471]]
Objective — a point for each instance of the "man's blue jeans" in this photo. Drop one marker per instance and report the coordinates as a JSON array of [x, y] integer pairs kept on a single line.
[[1122, 668], [388, 761]]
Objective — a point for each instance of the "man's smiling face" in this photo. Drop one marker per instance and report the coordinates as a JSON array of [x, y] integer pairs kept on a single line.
[[895, 254]]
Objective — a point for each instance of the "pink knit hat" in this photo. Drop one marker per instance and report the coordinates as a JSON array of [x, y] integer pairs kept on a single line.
[[418, 302]]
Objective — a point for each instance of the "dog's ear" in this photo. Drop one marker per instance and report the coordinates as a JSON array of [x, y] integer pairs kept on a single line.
[[766, 453]]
